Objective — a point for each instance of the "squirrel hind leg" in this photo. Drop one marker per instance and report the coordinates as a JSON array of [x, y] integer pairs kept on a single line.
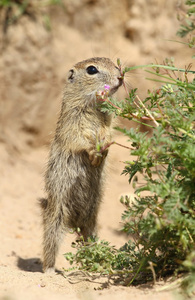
[[53, 230], [52, 238], [89, 230]]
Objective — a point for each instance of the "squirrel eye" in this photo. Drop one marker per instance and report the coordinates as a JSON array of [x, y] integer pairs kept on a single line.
[[92, 70]]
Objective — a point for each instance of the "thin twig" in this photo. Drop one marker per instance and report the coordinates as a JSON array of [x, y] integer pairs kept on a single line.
[[112, 143], [148, 112]]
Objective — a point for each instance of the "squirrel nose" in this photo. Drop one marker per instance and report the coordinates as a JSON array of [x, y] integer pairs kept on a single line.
[[120, 79]]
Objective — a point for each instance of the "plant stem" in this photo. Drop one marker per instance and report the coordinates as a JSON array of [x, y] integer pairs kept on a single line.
[[157, 66], [148, 112]]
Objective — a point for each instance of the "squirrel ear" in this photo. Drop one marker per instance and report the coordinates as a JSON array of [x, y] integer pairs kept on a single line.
[[71, 75]]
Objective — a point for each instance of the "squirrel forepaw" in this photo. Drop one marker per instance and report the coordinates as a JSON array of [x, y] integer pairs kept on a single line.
[[96, 158]]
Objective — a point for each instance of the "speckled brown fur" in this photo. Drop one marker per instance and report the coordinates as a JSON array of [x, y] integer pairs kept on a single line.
[[75, 172]]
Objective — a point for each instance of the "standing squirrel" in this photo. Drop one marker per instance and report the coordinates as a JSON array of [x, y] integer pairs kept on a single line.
[[75, 171]]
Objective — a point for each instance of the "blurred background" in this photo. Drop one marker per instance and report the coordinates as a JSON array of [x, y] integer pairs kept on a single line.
[[41, 39]]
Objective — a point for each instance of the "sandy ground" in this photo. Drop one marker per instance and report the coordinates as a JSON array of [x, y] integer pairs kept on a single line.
[[33, 63], [20, 235]]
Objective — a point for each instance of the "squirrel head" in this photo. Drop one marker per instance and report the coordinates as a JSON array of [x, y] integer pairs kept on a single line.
[[90, 76]]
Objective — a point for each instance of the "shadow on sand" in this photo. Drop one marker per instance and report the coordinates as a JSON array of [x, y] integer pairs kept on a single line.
[[29, 264]]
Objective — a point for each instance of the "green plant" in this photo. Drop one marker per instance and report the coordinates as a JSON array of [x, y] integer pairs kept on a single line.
[[188, 24], [98, 256], [13, 10], [189, 19]]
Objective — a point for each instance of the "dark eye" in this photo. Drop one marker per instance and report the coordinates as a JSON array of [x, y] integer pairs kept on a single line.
[[92, 70]]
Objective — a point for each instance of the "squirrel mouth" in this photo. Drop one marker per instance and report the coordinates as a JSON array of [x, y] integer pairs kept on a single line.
[[108, 90], [115, 88]]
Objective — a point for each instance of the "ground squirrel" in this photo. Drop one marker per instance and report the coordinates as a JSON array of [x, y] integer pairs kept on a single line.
[[74, 176]]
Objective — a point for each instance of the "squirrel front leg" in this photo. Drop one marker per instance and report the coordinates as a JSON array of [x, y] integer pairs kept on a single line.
[[96, 148], [98, 153]]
